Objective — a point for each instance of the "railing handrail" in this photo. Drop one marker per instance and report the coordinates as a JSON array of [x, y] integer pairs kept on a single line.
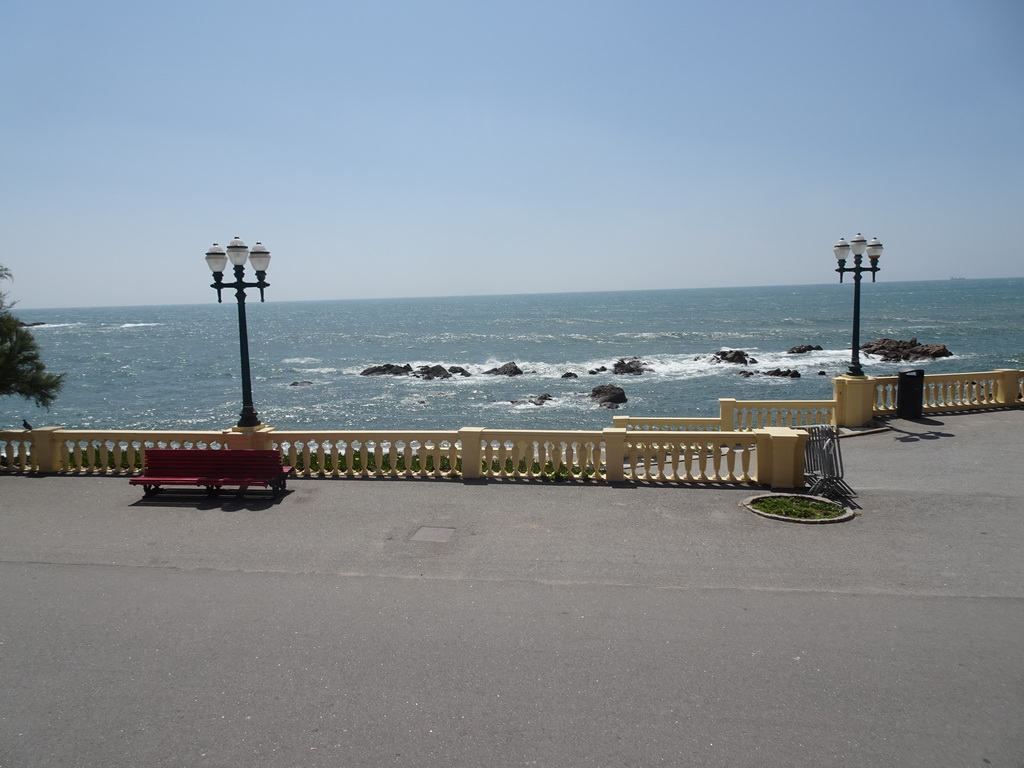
[[951, 376]]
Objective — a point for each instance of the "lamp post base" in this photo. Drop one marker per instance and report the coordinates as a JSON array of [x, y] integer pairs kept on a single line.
[[249, 420]]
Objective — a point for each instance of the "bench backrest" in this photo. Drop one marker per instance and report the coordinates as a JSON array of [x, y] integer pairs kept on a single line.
[[174, 462]]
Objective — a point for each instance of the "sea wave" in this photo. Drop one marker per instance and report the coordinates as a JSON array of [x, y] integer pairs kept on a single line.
[[658, 366], [659, 335]]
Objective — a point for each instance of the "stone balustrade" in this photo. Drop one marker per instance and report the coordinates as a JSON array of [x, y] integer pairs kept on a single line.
[[741, 416], [760, 414], [766, 457], [750, 442], [947, 392], [365, 453], [856, 401]]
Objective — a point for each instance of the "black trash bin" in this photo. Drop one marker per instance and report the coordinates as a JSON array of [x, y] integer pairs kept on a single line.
[[910, 393]]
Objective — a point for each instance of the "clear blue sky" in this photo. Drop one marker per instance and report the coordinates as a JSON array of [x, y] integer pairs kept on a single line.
[[446, 147]]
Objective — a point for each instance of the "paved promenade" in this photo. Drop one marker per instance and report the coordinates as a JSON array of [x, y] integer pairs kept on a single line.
[[425, 623]]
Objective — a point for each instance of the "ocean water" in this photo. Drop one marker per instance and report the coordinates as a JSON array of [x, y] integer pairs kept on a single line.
[[177, 367]]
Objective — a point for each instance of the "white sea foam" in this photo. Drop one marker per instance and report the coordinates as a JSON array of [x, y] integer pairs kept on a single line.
[[658, 366]]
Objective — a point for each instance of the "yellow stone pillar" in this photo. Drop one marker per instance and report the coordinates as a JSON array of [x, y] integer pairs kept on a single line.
[[46, 449], [762, 457], [784, 467], [1007, 386], [614, 454], [855, 400], [727, 414], [249, 438], [472, 455]]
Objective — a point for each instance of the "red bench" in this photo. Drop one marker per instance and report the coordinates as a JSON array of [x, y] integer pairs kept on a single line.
[[212, 469]]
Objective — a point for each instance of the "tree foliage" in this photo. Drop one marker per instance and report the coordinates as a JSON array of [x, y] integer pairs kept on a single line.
[[22, 371], [5, 274]]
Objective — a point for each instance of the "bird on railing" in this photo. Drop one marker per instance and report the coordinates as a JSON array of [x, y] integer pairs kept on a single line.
[[26, 425]]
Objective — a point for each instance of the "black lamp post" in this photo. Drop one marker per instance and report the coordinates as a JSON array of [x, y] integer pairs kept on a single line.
[[238, 252], [858, 246]]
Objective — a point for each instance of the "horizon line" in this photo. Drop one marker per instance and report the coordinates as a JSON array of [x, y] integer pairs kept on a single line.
[[13, 309]]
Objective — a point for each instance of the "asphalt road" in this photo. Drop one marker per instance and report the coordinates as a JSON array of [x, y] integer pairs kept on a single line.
[[426, 623]]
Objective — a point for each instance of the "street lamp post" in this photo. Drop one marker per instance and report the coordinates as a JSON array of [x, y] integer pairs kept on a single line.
[[858, 246], [217, 259]]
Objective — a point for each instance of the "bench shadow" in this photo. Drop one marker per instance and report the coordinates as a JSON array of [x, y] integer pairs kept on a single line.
[[186, 498]]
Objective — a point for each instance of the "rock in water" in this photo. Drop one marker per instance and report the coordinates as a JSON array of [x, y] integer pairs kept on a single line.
[[629, 366], [508, 369], [895, 350], [388, 369], [608, 395], [431, 372], [735, 356], [538, 400]]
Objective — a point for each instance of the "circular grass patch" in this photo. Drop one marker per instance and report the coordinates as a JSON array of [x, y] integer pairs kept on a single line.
[[797, 508]]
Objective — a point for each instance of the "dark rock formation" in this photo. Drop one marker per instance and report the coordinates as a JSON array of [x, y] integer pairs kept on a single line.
[[894, 350], [608, 395], [569, 375], [508, 369], [388, 369], [596, 371], [431, 372], [822, 373], [538, 400], [629, 366], [803, 348], [425, 372], [789, 374], [735, 356], [301, 384]]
